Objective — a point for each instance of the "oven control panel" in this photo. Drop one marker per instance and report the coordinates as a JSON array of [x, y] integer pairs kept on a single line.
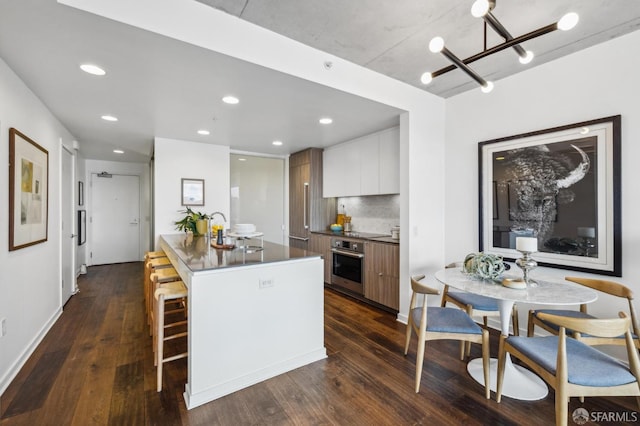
[[348, 245]]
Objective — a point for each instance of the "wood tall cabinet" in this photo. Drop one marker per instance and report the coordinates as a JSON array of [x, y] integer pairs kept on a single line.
[[382, 273], [319, 243], [308, 211]]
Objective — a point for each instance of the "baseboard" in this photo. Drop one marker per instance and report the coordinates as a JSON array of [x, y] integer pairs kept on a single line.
[[194, 400], [13, 371]]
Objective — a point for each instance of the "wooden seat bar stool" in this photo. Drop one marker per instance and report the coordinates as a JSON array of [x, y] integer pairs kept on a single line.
[[157, 278], [150, 266], [169, 291]]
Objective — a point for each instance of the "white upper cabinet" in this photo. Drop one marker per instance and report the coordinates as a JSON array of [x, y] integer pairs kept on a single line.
[[369, 165], [389, 176]]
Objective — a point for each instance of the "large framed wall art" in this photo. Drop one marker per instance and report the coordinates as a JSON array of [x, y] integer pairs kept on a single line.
[[28, 191], [559, 185]]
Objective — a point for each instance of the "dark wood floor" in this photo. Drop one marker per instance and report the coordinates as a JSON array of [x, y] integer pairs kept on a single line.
[[95, 367]]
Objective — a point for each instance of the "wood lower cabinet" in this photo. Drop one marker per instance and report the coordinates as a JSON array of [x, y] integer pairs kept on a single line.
[[319, 243], [382, 273]]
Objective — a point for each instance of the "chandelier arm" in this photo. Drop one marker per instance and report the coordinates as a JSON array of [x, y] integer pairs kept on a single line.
[[453, 58], [503, 32]]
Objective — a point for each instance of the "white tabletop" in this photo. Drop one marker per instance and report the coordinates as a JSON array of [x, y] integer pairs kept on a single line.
[[550, 291]]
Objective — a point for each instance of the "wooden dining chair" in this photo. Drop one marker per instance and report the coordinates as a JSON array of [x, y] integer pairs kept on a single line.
[[475, 305], [608, 287], [438, 323], [571, 367]]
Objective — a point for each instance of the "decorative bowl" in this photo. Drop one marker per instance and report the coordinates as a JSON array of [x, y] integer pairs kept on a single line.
[[336, 228]]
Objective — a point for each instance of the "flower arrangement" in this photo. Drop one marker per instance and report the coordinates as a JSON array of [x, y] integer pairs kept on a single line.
[[483, 265]]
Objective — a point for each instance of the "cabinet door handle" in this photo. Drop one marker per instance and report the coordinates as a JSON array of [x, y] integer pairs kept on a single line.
[[380, 274], [305, 195]]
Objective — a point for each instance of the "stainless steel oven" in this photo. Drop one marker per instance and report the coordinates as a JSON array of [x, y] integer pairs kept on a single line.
[[347, 264]]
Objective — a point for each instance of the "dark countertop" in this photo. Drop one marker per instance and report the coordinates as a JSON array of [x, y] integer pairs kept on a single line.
[[198, 255], [381, 238]]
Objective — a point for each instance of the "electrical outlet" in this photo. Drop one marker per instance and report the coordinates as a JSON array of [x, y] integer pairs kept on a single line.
[[3, 327], [265, 283]]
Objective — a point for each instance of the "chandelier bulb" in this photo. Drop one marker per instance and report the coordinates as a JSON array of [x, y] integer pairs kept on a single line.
[[480, 8], [487, 87], [568, 21], [426, 78], [436, 44], [526, 58]]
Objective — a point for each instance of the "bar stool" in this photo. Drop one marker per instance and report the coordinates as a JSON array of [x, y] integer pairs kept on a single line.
[[150, 266], [158, 278], [169, 291]]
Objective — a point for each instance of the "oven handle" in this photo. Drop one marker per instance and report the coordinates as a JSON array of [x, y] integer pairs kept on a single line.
[[348, 253]]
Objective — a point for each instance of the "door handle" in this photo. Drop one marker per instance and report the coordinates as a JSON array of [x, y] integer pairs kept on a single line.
[[304, 203]]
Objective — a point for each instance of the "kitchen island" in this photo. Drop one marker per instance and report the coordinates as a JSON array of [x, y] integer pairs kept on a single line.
[[252, 314]]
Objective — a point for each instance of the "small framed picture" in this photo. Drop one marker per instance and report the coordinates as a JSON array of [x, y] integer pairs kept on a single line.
[[192, 192], [80, 193]]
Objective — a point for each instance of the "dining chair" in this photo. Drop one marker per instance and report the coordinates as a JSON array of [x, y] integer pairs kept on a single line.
[[571, 367], [476, 305], [438, 323], [608, 287]]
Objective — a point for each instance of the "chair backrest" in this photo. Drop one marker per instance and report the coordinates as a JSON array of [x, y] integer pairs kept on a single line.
[[608, 327], [609, 287], [420, 288], [614, 289]]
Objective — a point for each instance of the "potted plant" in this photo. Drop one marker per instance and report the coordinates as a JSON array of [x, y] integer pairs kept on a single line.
[[192, 221]]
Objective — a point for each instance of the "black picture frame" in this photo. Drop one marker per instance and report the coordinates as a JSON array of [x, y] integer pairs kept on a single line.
[[566, 185], [82, 227]]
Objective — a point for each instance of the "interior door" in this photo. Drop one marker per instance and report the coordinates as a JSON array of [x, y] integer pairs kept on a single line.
[[67, 226], [114, 218]]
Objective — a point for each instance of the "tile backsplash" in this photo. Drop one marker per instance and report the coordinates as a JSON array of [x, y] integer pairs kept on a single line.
[[373, 213]]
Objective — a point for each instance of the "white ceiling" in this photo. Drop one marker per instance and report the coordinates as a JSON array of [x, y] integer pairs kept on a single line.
[[158, 86]]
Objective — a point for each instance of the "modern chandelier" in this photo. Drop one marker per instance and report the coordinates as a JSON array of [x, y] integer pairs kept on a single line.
[[482, 9]]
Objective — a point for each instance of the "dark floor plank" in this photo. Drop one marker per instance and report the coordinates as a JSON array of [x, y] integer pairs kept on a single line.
[[35, 390]]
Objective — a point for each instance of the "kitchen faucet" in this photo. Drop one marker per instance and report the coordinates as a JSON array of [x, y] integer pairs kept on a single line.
[[210, 233]]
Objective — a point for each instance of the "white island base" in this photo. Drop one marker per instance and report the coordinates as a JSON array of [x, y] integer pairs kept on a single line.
[[250, 322]]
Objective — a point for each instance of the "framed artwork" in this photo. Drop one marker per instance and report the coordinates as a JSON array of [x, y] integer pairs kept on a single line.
[[28, 191], [82, 227], [192, 192], [80, 193], [560, 185]]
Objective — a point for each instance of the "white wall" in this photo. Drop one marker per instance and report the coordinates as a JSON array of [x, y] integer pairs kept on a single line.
[[120, 168], [598, 82], [177, 159], [421, 127], [30, 277]]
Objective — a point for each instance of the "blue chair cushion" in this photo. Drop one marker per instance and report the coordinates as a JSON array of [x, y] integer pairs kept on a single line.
[[481, 303], [447, 320], [587, 366]]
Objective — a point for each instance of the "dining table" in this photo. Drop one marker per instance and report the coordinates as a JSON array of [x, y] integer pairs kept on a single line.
[[519, 382]]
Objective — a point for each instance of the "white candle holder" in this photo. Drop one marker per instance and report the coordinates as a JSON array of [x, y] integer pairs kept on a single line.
[[527, 263]]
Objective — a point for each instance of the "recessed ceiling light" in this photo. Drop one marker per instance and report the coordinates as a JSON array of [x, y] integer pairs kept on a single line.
[[109, 118], [325, 120], [276, 143], [230, 100], [203, 132], [92, 69], [242, 159], [118, 151]]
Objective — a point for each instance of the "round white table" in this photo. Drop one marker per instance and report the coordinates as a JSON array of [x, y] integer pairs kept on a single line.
[[519, 383]]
